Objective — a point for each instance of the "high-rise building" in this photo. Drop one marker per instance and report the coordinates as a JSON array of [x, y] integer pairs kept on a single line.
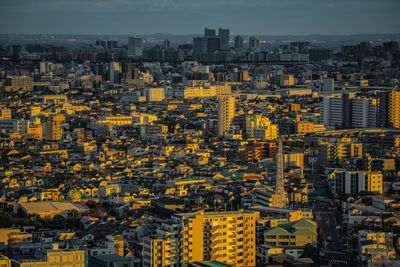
[[226, 237], [363, 113], [199, 45], [389, 109], [223, 35], [53, 128], [390, 47], [239, 42], [254, 43], [115, 73], [166, 44], [353, 182], [226, 112], [213, 44], [332, 112], [209, 33], [135, 47]]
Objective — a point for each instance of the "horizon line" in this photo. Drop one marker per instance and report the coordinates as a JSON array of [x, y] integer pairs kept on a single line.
[[185, 34]]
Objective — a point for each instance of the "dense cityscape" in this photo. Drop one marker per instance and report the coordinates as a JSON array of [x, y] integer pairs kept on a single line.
[[227, 150]]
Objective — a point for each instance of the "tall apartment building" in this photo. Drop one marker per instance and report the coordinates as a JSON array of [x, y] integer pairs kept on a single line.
[[349, 112], [353, 182], [239, 42], [363, 113], [389, 109], [227, 237], [332, 112], [226, 112], [53, 128]]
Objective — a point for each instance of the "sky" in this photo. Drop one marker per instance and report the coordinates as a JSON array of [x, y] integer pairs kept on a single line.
[[269, 17]]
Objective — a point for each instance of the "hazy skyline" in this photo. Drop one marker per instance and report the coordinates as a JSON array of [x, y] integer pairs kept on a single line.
[[271, 17]]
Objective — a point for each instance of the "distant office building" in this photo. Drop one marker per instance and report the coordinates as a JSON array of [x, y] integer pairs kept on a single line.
[[115, 73], [254, 43], [239, 42], [390, 47], [209, 33], [101, 43], [135, 47], [226, 112], [199, 45], [318, 54], [389, 109], [112, 44], [166, 44], [213, 44], [299, 47], [223, 35]]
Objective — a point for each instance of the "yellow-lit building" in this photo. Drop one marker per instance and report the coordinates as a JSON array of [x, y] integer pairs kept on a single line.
[[353, 182], [308, 127], [342, 151], [293, 234], [158, 252], [394, 109], [10, 236], [217, 90], [53, 128], [4, 261], [116, 120], [260, 127], [389, 109], [154, 94], [56, 99], [226, 112], [56, 257], [227, 237], [36, 130], [5, 114], [287, 80], [294, 159]]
